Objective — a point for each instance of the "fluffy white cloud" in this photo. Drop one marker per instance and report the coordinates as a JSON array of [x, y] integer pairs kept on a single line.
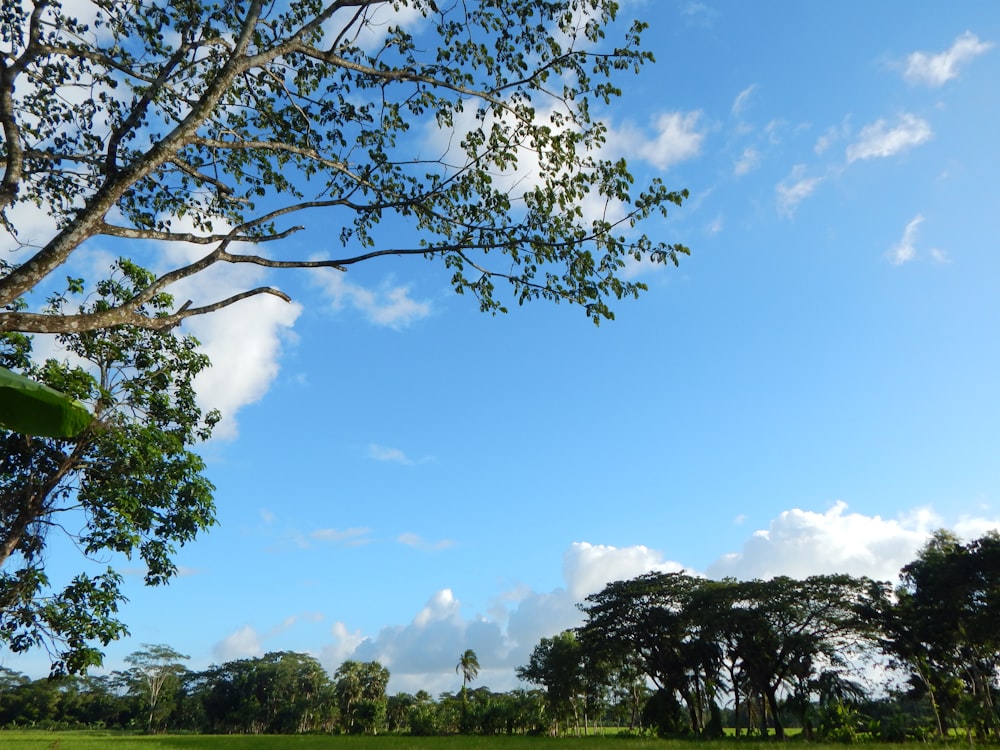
[[247, 642], [588, 568], [244, 343], [422, 653], [676, 137], [345, 643], [389, 305], [905, 250], [938, 69], [880, 140], [794, 189], [800, 543], [244, 643]]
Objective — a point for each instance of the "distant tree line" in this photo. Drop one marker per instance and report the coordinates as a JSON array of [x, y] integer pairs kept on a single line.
[[837, 656], [834, 656]]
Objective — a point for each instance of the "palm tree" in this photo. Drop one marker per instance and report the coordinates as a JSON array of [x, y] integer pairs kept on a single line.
[[468, 665]]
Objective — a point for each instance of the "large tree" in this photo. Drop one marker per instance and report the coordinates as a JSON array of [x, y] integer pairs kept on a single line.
[[220, 123], [941, 627], [129, 484], [155, 672], [360, 692], [134, 125]]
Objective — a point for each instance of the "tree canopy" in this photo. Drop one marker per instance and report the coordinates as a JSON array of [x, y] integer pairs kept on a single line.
[[129, 484], [219, 124], [470, 130]]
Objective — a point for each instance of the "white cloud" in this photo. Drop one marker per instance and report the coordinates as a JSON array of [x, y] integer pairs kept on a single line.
[[794, 189], [747, 162], [345, 643], [801, 543], [409, 539], [970, 528], [905, 250], [879, 140], [369, 28], [244, 343], [937, 69], [830, 136], [244, 643], [676, 139], [392, 455], [390, 306], [588, 568], [422, 654], [352, 537], [939, 255], [742, 99]]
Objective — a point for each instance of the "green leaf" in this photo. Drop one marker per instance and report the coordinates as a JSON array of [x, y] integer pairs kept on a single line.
[[35, 409]]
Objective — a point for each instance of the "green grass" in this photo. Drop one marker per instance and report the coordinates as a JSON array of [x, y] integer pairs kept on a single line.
[[95, 740]]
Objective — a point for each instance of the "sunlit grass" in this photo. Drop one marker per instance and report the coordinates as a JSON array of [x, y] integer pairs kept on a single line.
[[95, 740]]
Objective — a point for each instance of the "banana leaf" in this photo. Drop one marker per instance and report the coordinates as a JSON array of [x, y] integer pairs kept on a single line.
[[35, 409]]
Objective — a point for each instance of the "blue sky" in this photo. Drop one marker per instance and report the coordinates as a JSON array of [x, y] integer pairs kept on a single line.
[[815, 389]]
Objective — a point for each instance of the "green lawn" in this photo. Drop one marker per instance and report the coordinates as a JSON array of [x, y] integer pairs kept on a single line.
[[40, 740]]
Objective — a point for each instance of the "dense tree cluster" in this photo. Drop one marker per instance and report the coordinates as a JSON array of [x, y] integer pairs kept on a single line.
[[279, 693], [834, 656]]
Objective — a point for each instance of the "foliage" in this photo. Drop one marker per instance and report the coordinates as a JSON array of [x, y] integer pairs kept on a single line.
[[694, 638], [557, 663], [129, 484], [941, 627], [34, 409], [218, 123], [156, 671], [279, 693], [360, 691], [803, 640]]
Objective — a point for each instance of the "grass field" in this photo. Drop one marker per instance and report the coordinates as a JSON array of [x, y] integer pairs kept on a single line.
[[39, 740]]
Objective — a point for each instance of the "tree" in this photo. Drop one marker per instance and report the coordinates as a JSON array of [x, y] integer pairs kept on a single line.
[[360, 690], [557, 664], [219, 123], [157, 669], [787, 630], [279, 693], [941, 627], [128, 484], [657, 619], [468, 666]]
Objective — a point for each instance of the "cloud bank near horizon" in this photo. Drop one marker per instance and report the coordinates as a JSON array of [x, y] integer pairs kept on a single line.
[[421, 654]]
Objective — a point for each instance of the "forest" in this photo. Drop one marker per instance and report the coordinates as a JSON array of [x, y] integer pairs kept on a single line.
[[832, 657]]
